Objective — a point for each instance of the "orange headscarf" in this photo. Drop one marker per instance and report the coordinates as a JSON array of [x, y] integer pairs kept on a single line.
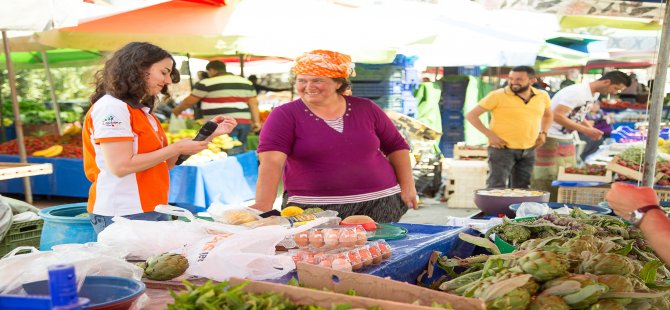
[[324, 63]]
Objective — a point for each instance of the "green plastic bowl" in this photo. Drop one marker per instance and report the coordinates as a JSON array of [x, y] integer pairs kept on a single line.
[[502, 245]]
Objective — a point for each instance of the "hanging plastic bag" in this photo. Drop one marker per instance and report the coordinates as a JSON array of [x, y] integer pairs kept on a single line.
[[176, 124], [142, 239]]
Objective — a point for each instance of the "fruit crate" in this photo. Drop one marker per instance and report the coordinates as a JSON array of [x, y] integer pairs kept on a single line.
[[628, 172], [461, 151], [564, 176], [22, 234]]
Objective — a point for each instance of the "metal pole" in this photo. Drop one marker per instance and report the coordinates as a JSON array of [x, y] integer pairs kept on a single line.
[[656, 107], [17, 117], [52, 91], [242, 65], [3, 135]]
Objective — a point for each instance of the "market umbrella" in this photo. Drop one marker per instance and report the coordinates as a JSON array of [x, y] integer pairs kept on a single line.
[[256, 27], [178, 26], [57, 58]]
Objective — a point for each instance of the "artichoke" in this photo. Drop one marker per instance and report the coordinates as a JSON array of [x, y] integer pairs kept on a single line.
[[605, 304], [165, 266], [515, 234], [607, 263], [577, 290], [544, 265], [518, 298], [617, 283], [548, 302]]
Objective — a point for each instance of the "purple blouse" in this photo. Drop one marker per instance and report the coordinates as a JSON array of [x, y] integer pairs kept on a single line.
[[323, 162]]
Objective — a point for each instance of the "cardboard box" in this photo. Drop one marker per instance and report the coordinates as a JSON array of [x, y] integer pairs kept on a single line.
[[387, 293], [461, 151], [563, 176], [628, 172]]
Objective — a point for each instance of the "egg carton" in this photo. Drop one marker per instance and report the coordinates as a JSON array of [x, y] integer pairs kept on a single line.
[[357, 258]]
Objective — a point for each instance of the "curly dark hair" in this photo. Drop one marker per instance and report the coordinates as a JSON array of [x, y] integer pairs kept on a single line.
[[346, 83], [123, 74]]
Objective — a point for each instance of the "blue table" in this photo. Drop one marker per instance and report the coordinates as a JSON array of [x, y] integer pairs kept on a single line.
[[411, 254], [228, 180]]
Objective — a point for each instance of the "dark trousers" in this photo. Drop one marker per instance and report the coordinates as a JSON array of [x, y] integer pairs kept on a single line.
[[591, 145], [510, 165]]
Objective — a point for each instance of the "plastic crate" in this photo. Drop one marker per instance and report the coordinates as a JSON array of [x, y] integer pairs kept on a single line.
[[594, 195], [377, 88], [377, 72], [463, 178], [22, 234]]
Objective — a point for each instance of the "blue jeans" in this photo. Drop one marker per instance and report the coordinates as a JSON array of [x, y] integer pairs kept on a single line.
[[241, 131], [513, 165], [100, 222]]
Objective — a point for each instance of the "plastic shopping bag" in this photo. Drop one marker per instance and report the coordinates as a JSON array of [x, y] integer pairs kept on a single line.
[[142, 239], [176, 124], [90, 259], [246, 254]]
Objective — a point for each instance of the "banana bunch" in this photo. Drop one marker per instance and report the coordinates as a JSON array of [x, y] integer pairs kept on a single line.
[[72, 130], [50, 151]]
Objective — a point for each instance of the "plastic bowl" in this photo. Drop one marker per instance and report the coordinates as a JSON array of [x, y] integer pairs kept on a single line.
[[557, 205], [104, 293], [496, 205]]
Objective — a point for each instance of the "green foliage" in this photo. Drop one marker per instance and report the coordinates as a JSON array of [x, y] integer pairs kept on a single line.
[[32, 88]]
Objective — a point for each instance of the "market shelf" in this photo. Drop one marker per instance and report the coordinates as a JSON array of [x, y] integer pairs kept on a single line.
[[19, 170]]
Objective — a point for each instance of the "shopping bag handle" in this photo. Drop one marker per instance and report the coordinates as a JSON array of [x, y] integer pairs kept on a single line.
[[176, 211], [13, 252]]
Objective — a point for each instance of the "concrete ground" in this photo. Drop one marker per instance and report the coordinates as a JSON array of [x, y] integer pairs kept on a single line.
[[431, 210]]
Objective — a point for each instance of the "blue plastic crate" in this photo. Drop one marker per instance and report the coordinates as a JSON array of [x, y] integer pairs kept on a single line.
[[377, 88], [370, 72]]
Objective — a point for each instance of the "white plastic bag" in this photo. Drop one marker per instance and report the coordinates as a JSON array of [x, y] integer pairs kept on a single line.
[[247, 254], [91, 259], [142, 239], [176, 124]]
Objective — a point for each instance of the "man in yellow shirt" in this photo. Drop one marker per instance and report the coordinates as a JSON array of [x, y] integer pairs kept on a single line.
[[520, 118]]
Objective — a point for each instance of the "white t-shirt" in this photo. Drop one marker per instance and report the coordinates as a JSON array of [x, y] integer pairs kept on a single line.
[[579, 98]]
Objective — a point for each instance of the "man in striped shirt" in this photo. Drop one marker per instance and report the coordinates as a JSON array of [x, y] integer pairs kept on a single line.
[[228, 94]]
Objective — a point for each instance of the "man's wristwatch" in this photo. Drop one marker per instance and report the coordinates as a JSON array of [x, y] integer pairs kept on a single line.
[[637, 216]]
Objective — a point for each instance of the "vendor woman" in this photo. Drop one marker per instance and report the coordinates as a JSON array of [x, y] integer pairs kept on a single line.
[[126, 155], [335, 152]]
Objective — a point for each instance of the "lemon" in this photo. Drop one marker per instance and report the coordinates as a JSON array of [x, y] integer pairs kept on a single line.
[[291, 211], [661, 141]]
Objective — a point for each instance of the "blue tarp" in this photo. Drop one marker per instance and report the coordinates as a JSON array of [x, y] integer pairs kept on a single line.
[[411, 254], [228, 180]]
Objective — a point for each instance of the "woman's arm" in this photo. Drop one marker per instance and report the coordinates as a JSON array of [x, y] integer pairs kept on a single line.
[[269, 173], [403, 171], [121, 160]]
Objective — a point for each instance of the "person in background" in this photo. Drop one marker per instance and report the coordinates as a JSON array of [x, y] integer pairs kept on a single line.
[[126, 155], [227, 94], [259, 87], [570, 106], [335, 152], [640, 207], [630, 93], [197, 108], [601, 121], [520, 118]]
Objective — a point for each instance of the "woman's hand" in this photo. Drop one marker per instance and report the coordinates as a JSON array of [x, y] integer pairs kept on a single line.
[[624, 198], [226, 125], [409, 197], [190, 147]]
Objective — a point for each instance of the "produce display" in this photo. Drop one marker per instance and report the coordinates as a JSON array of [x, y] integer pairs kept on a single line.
[[575, 261], [38, 146], [215, 150], [632, 158], [587, 170]]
